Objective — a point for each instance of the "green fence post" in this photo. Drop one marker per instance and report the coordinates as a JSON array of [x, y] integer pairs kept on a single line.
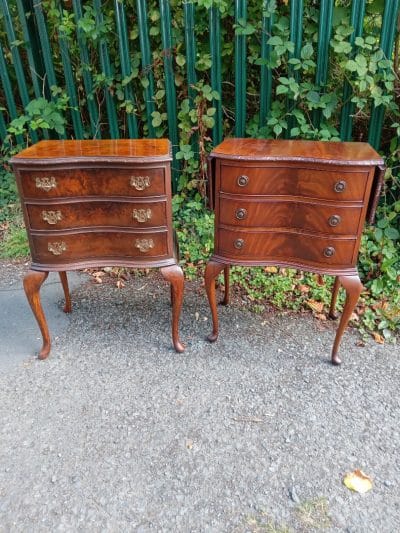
[[346, 119], [107, 70], [216, 80], [146, 63], [265, 70], [169, 85], [87, 77], [125, 64], [240, 69], [388, 30], [190, 49], [324, 36], [5, 80], [3, 128], [296, 36]]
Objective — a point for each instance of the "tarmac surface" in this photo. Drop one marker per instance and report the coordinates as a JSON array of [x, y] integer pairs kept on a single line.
[[115, 432]]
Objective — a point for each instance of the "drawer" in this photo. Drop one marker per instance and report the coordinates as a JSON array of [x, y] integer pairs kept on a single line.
[[285, 247], [286, 181], [333, 220], [107, 181], [74, 247], [96, 213]]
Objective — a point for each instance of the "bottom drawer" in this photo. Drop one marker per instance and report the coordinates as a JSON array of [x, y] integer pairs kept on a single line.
[[77, 247], [282, 247]]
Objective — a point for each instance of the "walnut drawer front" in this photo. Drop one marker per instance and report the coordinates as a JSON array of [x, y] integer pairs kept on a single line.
[[74, 247], [68, 215], [329, 219], [284, 247], [286, 181], [93, 182]]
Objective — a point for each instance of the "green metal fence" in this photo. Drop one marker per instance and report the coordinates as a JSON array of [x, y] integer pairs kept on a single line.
[[28, 55]]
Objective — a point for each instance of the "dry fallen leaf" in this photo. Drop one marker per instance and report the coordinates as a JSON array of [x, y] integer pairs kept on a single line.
[[358, 481], [320, 316], [378, 338], [317, 307], [304, 288], [271, 270], [120, 284]]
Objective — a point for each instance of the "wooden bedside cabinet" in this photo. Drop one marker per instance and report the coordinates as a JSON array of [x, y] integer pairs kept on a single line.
[[299, 204], [95, 204]]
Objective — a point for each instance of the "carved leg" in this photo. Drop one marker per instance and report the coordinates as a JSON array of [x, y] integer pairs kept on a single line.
[[335, 290], [212, 270], [353, 287], [32, 282], [225, 301], [174, 275], [64, 283]]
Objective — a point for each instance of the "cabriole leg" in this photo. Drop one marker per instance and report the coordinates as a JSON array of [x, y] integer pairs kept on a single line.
[[335, 290], [353, 288], [225, 301], [33, 280], [64, 283], [174, 275], [212, 270]]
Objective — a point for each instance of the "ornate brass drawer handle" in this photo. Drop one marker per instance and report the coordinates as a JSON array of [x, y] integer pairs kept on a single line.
[[140, 183], [340, 186], [238, 244], [52, 217], [334, 220], [242, 181], [57, 248], [46, 183], [144, 245], [241, 213], [329, 251], [141, 215]]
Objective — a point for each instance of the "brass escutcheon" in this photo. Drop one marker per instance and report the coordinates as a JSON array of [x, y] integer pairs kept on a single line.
[[144, 245], [51, 217], [140, 183], [141, 215], [241, 213], [57, 248], [46, 183]]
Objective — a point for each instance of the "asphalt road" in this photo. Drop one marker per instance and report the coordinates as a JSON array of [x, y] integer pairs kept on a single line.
[[116, 432]]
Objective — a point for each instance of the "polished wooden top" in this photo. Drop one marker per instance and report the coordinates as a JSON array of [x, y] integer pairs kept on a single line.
[[356, 153], [121, 149]]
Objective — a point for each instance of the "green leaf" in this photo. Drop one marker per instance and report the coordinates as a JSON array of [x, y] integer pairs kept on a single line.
[[392, 233], [282, 89], [275, 41]]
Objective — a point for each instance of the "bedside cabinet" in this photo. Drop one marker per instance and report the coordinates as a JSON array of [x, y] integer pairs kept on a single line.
[[95, 204], [298, 204]]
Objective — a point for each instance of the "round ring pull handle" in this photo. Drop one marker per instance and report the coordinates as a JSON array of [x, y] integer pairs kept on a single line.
[[329, 251], [242, 181], [238, 244], [340, 186], [334, 220], [241, 213]]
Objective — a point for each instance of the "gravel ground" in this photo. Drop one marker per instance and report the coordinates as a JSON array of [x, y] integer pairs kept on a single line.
[[116, 432]]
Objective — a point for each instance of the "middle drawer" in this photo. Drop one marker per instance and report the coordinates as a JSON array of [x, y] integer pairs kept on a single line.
[[68, 215], [331, 219]]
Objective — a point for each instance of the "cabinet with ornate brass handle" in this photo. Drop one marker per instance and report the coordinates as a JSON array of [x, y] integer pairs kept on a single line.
[[52, 217], [140, 183], [57, 248], [142, 215], [144, 245], [46, 183]]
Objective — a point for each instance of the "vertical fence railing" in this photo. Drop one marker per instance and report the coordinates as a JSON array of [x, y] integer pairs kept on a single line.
[[87, 78], [240, 68], [389, 21], [265, 70], [32, 61]]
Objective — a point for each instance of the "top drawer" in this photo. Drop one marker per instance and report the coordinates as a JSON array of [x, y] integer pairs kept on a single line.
[[93, 182], [286, 181]]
